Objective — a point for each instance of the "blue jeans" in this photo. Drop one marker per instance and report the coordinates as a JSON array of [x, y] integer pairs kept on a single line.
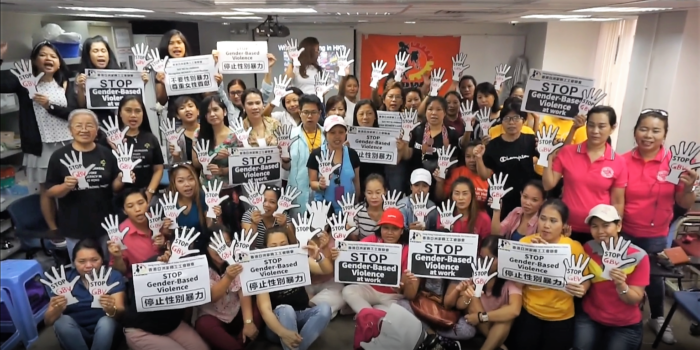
[[589, 334], [656, 288], [72, 242], [72, 336], [310, 323]]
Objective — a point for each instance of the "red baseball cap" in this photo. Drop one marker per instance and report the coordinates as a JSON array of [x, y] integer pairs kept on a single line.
[[392, 216]]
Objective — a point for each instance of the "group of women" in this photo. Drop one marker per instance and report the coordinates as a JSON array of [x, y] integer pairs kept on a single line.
[[605, 196]]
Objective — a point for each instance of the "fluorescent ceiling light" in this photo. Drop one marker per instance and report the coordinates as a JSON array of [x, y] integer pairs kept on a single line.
[[229, 13], [243, 17], [554, 16], [624, 9], [131, 16], [363, 21], [410, 22], [103, 9], [277, 10], [590, 19], [94, 15]]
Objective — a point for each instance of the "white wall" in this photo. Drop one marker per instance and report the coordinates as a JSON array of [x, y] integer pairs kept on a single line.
[[16, 30], [535, 44], [571, 48]]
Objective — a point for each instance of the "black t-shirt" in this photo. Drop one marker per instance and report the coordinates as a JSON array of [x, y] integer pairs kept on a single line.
[[515, 159], [81, 212], [188, 148], [312, 163], [155, 322], [295, 297], [146, 148], [417, 142]]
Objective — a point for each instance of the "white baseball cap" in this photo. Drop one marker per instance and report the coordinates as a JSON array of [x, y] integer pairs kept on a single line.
[[605, 212], [333, 120], [421, 175]]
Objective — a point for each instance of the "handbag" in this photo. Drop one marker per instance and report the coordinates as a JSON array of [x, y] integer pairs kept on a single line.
[[429, 309]]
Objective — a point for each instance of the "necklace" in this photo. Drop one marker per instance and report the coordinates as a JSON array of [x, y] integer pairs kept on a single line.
[[311, 141]]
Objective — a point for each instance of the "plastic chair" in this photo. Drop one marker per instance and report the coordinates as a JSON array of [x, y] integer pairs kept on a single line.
[[29, 223], [688, 301], [16, 338], [14, 275]]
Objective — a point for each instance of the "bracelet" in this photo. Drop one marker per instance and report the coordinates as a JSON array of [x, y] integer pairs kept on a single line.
[[113, 313], [467, 302]]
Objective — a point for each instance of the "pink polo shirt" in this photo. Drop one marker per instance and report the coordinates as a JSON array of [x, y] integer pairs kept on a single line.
[[512, 221], [649, 198], [139, 246], [586, 183]]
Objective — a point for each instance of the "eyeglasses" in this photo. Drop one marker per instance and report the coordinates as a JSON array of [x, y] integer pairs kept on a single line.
[[236, 93], [512, 118], [310, 113], [661, 112]]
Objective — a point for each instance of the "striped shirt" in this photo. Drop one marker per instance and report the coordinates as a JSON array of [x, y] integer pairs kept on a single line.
[[365, 225], [261, 228]]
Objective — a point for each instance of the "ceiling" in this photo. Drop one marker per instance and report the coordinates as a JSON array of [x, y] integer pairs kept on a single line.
[[345, 11]]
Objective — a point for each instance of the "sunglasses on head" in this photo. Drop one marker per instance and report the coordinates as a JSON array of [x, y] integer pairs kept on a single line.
[[661, 112], [176, 165]]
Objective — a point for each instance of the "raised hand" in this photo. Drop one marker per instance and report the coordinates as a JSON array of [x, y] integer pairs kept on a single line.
[[339, 227], [211, 196], [319, 212], [409, 121], [589, 99], [225, 251], [468, 115], [157, 64], [141, 60], [483, 116], [436, 81], [23, 72], [59, 285], [400, 68], [255, 196], [444, 160], [377, 73], [481, 276], [97, 284], [459, 65], [682, 157], [343, 62], [240, 131], [501, 71], [282, 134], [111, 226], [497, 184], [322, 84], [170, 209], [171, 133], [325, 164], [574, 269], [286, 201], [182, 242], [303, 230], [111, 129], [391, 199], [126, 164], [155, 220], [77, 170], [420, 207], [447, 216], [349, 208], [280, 89], [293, 52], [614, 255], [243, 241], [546, 145], [201, 148]]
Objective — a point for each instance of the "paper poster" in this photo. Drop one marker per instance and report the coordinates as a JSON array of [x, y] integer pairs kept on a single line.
[[442, 255], [242, 57], [261, 164], [534, 264], [159, 286], [554, 94], [190, 75], [391, 120], [123, 38], [274, 269], [126, 58], [374, 145], [106, 87], [368, 263]]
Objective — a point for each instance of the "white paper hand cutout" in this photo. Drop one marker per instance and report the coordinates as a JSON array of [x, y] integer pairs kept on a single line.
[[574, 269], [401, 67], [125, 163], [155, 220], [255, 196], [111, 129], [182, 242], [589, 99], [322, 84], [293, 52], [481, 276], [286, 201], [447, 216], [497, 184], [97, 284], [218, 244], [682, 158], [409, 121], [459, 65], [172, 134], [377, 73], [201, 148], [77, 170], [59, 285], [339, 227], [303, 230], [243, 243], [170, 209], [343, 62], [325, 164], [282, 134], [467, 114], [545, 144], [111, 226], [349, 208], [420, 207], [391, 199], [211, 196], [319, 213], [614, 255], [436, 81], [444, 160], [141, 60], [483, 116], [242, 134], [23, 72], [157, 64], [280, 89], [501, 71]]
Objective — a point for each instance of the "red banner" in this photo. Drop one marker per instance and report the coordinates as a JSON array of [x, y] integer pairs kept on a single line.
[[425, 54]]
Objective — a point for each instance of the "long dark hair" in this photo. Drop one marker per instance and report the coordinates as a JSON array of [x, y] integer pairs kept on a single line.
[[145, 123], [491, 243], [206, 131], [306, 58], [473, 205], [86, 61], [487, 88], [89, 243], [62, 74], [361, 103], [165, 42]]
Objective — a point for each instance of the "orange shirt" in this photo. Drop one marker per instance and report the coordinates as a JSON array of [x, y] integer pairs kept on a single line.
[[480, 186]]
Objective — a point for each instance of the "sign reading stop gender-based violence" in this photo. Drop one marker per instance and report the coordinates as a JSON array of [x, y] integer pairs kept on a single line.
[[554, 94], [105, 88]]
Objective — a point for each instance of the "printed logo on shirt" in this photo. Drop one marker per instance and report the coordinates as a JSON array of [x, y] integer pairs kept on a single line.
[[607, 172], [505, 159], [147, 145], [103, 162], [661, 176]]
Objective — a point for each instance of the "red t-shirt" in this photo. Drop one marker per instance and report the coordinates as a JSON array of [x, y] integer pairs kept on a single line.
[[404, 263], [602, 302], [482, 226]]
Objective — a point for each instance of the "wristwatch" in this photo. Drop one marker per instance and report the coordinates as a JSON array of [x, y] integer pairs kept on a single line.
[[483, 317], [627, 289], [151, 191], [249, 321], [320, 258]]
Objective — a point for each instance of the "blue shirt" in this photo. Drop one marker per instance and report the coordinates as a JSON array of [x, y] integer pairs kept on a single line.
[[191, 219], [408, 217], [82, 311]]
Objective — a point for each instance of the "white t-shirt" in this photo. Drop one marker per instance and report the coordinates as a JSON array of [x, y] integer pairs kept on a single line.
[[350, 112], [306, 85]]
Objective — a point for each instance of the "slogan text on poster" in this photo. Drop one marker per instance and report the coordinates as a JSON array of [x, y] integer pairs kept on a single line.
[[554, 94], [534, 264], [242, 57], [190, 75], [368, 263], [274, 269], [159, 286], [442, 255], [374, 145], [261, 164], [106, 87]]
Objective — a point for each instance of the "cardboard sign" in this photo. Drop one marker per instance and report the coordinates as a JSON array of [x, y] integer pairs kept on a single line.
[[274, 269], [261, 164], [242, 57], [106, 87], [190, 75], [534, 264], [181, 284], [390, 120], [374, 145], [368, 263], [442, 255], [554, 94]]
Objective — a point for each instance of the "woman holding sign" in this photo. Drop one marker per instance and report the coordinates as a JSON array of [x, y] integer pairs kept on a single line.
[[365, 115], [304, 66], [213, 141], [259, 223], [650, 199], [522, 221], [611, 313], [263, 127], [81, 318], [486, 97], [471, 218], [290, 104], [371, 211], [188, 114]]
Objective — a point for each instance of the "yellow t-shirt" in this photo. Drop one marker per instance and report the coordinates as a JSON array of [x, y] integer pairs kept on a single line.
[[551, 304], [564, 126], [497, 131], [311, 141]]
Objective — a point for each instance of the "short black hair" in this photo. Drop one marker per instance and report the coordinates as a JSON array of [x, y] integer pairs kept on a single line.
[[310, 99]]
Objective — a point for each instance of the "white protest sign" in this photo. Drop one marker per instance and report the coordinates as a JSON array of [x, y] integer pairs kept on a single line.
[[106, 87], [274, 269], [534, 264], [177, 285], [261, 164], [374, 145], [190, 75], [442, 255], [242, 57], [368, 263], [555, 94], [390, 120]]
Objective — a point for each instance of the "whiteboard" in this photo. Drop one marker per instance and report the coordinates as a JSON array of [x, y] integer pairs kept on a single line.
[[485, 52]]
